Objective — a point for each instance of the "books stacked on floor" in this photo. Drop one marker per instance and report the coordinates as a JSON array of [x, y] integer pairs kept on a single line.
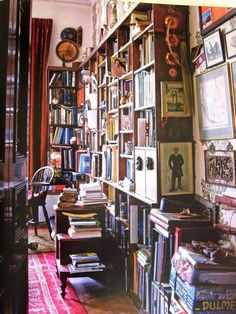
[[203, 278], [84, 226], [85, 262], [67, 198], [91, 193]]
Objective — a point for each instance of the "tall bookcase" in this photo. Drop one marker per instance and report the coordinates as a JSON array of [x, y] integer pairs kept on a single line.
[[141, 117], [66, 118], [14, 62]]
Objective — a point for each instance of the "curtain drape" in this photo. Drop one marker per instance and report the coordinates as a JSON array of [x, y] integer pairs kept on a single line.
[[41, 30]]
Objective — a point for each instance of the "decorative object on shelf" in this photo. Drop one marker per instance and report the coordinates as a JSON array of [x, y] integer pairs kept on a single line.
[[173, 100], [176, 168], [55, 161], [67, 50], [213, 49], [230, 41], [215, 110]]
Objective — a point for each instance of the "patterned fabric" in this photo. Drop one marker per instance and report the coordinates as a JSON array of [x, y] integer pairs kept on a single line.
[[45, 291]]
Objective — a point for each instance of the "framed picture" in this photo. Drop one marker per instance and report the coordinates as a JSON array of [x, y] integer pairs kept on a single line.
[[220, 167], [213, 99], [230, 41], [213, 17], [233, 72], [176, 168], [213, 49], [173, 101]]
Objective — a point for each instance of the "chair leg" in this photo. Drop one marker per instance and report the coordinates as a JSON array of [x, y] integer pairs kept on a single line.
[[35, 213], [47, 220]]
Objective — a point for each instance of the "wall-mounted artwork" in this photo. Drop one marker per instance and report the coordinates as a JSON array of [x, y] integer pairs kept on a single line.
[[176, 168], [213, 49], [230, 41], [220, 167], [173, 102], [214, 104]]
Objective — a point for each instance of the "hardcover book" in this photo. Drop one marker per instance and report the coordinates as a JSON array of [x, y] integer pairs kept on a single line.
[[207, 299]]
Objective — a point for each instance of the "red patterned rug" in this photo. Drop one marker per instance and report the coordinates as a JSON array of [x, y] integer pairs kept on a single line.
[[45, 291]]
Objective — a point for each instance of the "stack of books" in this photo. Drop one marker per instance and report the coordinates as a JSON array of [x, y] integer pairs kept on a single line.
[[84, 226], [85, 262], [91, 193], [202, 285], [67, 198]]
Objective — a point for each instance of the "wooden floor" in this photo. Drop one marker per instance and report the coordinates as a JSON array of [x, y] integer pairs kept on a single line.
[[98, 299]]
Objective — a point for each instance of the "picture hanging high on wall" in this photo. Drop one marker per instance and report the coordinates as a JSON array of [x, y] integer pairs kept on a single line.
[[176, 168], [173, 102], [230, 41], [213, 49], [213, 99]]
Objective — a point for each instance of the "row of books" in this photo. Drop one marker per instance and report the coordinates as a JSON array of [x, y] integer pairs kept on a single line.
[[85, 262], [146, 50], [61, 135], [63, 78], [142, 277], [66, 97], [68, 159], [146, 126], [63, 116], [110, 162], [145, 89]]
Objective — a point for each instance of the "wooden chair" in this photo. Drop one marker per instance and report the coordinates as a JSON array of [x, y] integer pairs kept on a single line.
[[38, 190]]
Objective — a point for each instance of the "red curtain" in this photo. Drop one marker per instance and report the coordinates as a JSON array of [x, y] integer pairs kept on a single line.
[[41, 30]]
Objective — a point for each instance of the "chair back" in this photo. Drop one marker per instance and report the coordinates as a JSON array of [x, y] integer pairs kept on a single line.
[[41, 180]]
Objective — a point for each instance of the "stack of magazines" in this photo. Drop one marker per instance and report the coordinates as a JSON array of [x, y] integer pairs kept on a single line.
[[91, 193], [85, 262]]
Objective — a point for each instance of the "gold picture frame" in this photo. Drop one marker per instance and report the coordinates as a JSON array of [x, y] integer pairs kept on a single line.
[[176, 171], [173, 101]]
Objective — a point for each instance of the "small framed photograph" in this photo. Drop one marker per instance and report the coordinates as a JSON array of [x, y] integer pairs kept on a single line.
[[213, 98], [213, 49], [206, 18], [176, 168], [230, 41], [220, 167], [173, 101]]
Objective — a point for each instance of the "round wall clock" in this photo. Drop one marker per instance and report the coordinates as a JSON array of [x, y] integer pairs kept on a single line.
[[67, 50]]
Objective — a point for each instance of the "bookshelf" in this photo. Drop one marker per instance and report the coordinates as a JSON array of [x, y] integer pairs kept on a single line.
[[130, 65], [14, 98], [66, 118]]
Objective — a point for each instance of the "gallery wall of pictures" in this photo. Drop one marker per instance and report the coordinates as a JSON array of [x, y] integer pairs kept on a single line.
[[215, 94]]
